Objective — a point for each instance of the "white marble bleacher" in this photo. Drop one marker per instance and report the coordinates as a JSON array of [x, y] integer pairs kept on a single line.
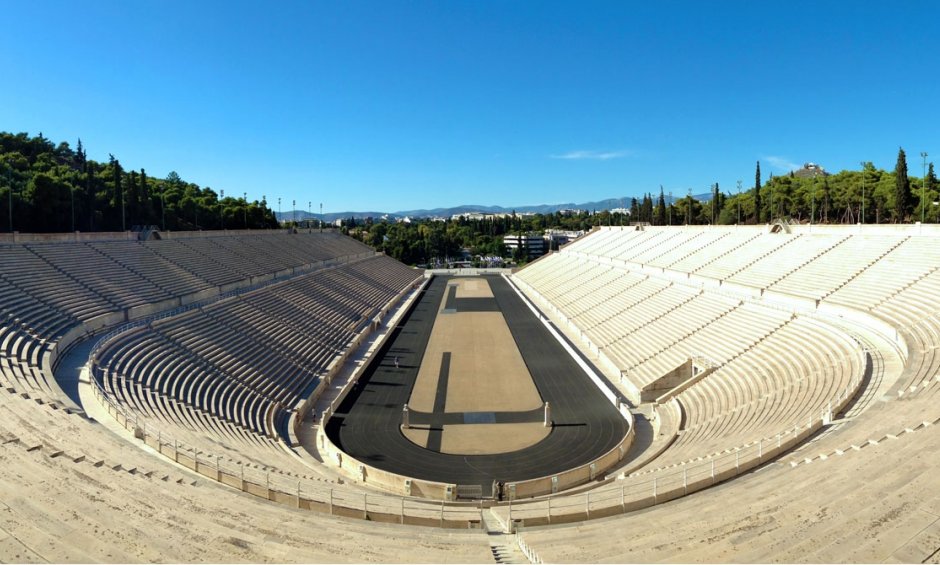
[[818, 278], [676, 253], [593, 294], [47, 289], [732, 332], [205, 267], [41, 280], [257, 254], [38, 305], [602, 242], [765, 382], [790, 376], [250, 356], [744, 255], [695, 258], [76, 492], [640, 245], [570, 277], [141, 260], [785, 259], [665, 246], [219, 252], [636, 306], [101, 274], [915, 311], [647, 352], [914, 258]]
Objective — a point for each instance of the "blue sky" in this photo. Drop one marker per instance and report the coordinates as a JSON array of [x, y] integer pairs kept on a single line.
[[393, 105]]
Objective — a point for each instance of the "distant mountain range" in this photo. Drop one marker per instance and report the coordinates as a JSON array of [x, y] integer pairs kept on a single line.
[[600, 205]]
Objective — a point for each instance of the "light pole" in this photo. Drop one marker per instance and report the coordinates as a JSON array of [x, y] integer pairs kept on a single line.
[[321, 217], [309, 214], [923, 185], [670, 207], [688, 209], [739, 202], [221, 216], [279, 210], [294, 211], [245, 209], [862, 219]]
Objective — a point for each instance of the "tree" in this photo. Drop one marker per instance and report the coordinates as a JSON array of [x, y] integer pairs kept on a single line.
[[931, 183], [661, 208], [902, 188], [757, 207], [118, 198], [647, 208], [80, 157], [716, 204]]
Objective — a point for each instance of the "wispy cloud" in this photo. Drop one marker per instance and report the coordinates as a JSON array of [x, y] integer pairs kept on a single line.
[[781, 163], [593, 155]]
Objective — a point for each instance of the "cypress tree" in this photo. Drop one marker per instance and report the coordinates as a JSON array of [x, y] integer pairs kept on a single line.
[[80, 158], [661, 208], [132, 193], [902, 188], [117, 199], [931, 184], [931, 178], [716, 204], [757, 207]]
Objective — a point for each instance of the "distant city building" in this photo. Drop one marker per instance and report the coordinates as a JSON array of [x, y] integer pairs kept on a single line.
[[486, 216], [534, 244], [557, 238], [810, 170], [570, 212], [620, 211]]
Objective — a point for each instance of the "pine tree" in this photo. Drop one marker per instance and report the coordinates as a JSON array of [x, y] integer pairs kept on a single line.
[[757, 207], [902, 188]]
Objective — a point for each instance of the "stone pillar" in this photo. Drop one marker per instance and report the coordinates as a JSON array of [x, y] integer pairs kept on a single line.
[[404, 418], [548, 416]]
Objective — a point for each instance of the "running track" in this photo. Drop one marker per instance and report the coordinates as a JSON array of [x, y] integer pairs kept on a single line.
[[366, 424]]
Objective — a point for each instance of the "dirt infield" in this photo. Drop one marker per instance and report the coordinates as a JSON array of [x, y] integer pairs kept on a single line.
[[484, 373]]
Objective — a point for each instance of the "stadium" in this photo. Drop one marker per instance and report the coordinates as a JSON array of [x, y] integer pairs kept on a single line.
[[696, 393]]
